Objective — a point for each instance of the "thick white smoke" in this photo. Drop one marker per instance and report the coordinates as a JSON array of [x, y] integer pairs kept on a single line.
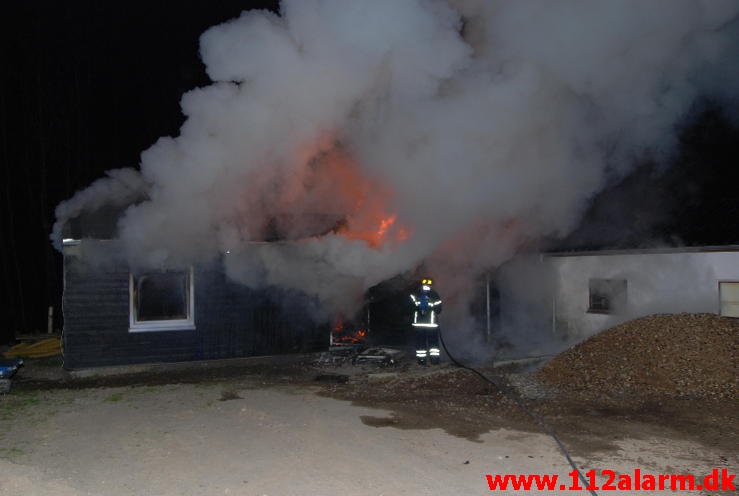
[[480, 124]]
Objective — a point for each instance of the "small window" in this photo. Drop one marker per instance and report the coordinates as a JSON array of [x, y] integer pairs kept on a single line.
[[161, 301], [607, 295], [729, 298]]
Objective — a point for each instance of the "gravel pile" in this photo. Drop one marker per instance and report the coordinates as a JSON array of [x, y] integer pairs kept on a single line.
[[682, 355]]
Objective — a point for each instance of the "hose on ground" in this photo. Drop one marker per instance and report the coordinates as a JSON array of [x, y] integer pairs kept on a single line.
[[516, 398]]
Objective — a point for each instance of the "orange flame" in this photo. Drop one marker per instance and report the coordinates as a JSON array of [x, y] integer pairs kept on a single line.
[[339, 333], [385, 224], [339, 326], [362, 201], [356, 338], [375, 230]]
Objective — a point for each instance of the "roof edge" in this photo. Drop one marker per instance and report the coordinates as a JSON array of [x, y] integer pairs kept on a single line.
[[644, 251]]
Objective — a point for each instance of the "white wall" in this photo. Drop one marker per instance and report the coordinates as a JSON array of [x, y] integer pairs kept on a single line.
[[656, 283]]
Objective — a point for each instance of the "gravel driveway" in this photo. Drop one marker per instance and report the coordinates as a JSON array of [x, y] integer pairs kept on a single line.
[[278, 434]]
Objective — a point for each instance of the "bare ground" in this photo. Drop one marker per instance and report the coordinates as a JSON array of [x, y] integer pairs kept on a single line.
[[275, 429]]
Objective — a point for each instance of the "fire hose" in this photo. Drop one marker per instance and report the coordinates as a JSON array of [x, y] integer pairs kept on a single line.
[[516, 398]]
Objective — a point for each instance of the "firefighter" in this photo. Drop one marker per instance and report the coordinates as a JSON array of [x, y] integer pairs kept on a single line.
[[427, 307]]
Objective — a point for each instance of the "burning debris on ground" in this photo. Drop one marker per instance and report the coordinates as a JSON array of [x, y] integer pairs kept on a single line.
[[385, 357], [346, 334], [353, 342], [356, 354]]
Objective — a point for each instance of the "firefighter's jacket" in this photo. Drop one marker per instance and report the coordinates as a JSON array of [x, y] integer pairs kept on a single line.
[[427, 307]]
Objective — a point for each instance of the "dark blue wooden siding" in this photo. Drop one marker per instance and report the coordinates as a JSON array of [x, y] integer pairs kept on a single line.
[[231, 320]]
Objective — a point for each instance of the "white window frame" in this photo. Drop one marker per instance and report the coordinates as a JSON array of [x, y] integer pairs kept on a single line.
[[721, 300], [187, 324]]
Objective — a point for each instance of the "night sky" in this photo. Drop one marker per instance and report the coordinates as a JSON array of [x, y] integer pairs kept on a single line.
[[87, 86]]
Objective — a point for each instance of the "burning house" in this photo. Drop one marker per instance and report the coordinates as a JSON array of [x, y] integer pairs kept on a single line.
[[113, 315], [342, 144], [118, 313], [118, 310]]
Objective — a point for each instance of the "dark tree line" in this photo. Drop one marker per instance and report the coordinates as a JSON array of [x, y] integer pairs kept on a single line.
[[85, 87]]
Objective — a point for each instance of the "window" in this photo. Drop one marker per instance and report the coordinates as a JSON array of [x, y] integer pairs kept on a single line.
[[729, 298], [607, 295], [161, 301]]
